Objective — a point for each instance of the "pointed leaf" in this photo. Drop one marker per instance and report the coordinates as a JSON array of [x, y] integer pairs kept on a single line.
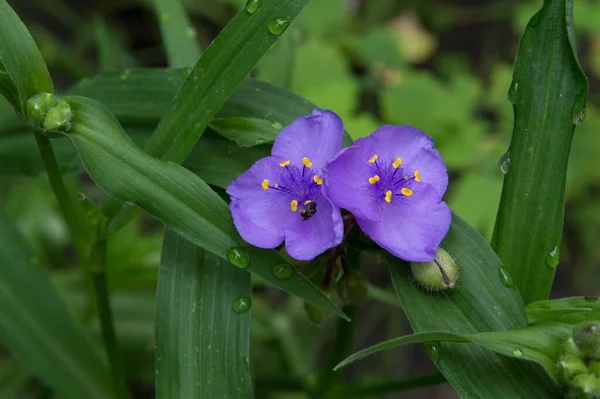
[[573, 310]]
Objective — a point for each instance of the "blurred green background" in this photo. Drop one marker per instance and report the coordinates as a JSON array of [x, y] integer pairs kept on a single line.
[[442, 66]]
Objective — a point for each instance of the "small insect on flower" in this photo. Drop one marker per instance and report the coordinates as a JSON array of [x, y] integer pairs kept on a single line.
[[280, 198], [393, 182]]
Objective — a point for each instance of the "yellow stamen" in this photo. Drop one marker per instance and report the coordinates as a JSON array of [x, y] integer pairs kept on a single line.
[[388, 196], [417, 176], [373, 158], [307, 202], [407, 191], [374, 179], [306, 162], [284, 163], [265, 184], [317, 180], [294, 205], [397, 163]]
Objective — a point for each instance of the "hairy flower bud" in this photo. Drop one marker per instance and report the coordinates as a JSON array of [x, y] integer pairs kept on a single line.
[[587, 339], [586, 385], [58, 117], [570, 366], [37, 107], [437, 275]]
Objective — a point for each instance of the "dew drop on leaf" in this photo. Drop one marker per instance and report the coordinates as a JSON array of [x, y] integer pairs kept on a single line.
[[241, 304], [517, 352], [283, 271], [579, 107], [505, 278], [276, 125], [553, 257], [435, 351], [252, 6], [278, 25], [504, 162], [513, 92], [239, 257]]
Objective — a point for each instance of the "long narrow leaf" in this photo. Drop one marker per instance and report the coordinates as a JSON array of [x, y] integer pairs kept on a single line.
[[178, 33], [572, 310], [202, 344], [38, 330], [548, 93], [484, 300]]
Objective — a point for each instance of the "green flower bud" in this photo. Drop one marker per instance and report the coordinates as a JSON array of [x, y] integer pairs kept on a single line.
[[587, 385], [37, 107], [352, 287], [437, 275], [570, 366], [587, 339], [315, 314], [59, 117], [594, 368], [570, 347]]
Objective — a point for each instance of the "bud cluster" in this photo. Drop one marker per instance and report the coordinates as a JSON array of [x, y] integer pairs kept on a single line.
[[579, 365], [46, 112]]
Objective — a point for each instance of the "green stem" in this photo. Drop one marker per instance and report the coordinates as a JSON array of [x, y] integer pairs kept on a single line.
[[79, 233], [98, 269], [380, 388], [342, 347]]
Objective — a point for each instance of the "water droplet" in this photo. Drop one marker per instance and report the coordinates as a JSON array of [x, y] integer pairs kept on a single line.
[[279, 25], [241, 304], [517, 352], [276, 125], [590, 298], [252, 6], [513, 92], [504, 162], [435, 351], [190, 32], [246, 360], [239, 257], [505, 278], [579, 107], [553, 257], [283, 271], [536, 19]]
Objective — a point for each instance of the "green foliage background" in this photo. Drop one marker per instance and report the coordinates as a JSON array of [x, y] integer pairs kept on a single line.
[[444, 67]]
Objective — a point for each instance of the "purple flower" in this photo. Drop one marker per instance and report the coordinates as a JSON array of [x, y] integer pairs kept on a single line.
[[281, 197], [393, 182]]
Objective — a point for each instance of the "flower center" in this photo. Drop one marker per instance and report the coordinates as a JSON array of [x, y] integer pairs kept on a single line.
[[298, 185], [391, 180]]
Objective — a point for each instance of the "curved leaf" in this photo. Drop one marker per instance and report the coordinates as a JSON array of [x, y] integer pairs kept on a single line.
[[23, 72], [572, 310], [540, 344]]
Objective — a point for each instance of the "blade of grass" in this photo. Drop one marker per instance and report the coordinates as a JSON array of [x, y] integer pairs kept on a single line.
[[202, 344], [548, 93]]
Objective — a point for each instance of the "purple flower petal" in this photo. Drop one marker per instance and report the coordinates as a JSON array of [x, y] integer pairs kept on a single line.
[[306, 239], [411, 228], [253, 233], [414, 147], [346, 178], [317, 137]]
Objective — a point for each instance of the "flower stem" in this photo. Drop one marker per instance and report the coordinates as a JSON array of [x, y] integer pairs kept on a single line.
[[98, 270], [94, 264]]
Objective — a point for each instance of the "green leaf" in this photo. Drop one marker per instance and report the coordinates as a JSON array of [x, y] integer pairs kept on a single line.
[[246, 132], [222, 67], [108, 49], [202, 344], [482, 301], [573, 310], [171, 193], [23, 72], [37, 329], [541, 344], [178, 34], [12, 377], [548, 93]]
